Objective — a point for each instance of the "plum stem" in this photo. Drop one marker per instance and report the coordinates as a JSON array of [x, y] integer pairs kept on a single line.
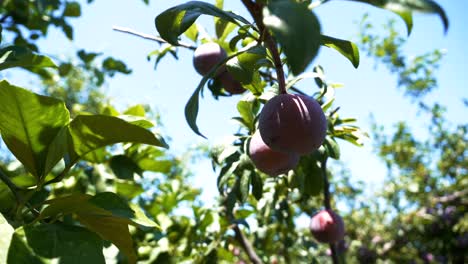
[[327, 203], [255, 10]]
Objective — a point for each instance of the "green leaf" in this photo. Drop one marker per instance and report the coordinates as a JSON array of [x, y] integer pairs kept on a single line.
[[128, 189], [20, 253], [192, 33], [308, 176], [137, 120], [72, 244], [136, 110], [245, 109], [407, 17], [75, 203], [149, 158], [104, 204], [88, 133], [29, 123], [17, 56], [191, 108], [244, 66], [87, 57], [403, 8], [296, 29], [97, 156], [345, 47], [72, 9], [244, 185], [112, 66], [6, 233], [7, 199], [176, 20], [332, 147], [124, 167], [257, 186], [114, 230]]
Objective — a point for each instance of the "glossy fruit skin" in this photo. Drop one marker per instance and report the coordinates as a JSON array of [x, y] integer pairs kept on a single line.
[[293, 123], [206, 56], [327, 227], [269, 161], [230, 84]]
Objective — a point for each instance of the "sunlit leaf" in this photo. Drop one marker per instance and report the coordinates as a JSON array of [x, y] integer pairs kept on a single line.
[[28, 124], [345, 47]]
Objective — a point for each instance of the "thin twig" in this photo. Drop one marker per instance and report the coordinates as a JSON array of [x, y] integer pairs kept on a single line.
[[255, 10], [150, 37], [246, 245]]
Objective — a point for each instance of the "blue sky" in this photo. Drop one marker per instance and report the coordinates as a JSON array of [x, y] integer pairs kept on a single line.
[[367, 89]]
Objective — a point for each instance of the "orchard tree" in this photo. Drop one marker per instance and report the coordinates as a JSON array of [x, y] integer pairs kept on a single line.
[[421, 210], [74, 193]]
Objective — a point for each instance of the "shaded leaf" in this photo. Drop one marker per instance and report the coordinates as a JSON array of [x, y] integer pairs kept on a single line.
[[332, 147], [20, 253], [176, 20], [88, 133], [112, 229], [308, 176], [402, 8], [128, 189], [72, 244], [257, 186], [191, 108], [124, 167], [113, 66], [296, 29], [72, 9], [244, 66], [104, 204], [17, 56]]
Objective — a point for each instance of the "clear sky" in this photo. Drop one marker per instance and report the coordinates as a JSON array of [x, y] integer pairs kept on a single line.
[[367, 89]]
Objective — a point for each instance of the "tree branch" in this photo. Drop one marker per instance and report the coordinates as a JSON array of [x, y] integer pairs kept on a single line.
[[255, 10], [326, 185], [246, 245], [450, 197], [327, 203], [150, 37]]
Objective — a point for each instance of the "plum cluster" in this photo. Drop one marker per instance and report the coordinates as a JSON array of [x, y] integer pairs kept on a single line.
[[289, 125], [206, 57]]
